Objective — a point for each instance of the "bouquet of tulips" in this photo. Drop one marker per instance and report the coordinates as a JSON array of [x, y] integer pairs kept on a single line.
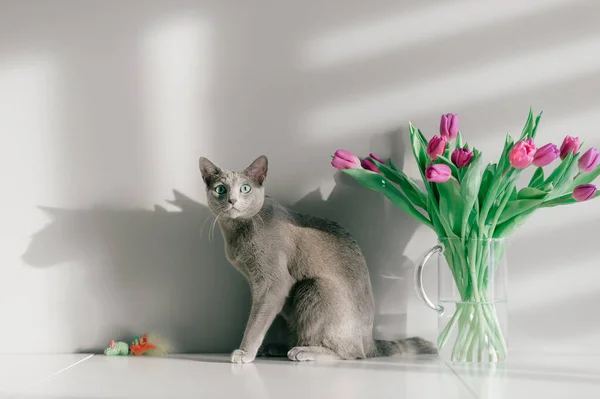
[[468, 205]]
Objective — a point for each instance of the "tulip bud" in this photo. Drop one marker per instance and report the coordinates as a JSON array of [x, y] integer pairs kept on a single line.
[[570, 144], [522, 153], [584, 192], [546, 155], [436, 146], [375, 157], [589, 160], [449, 126], [369, 165], [461, 157], [438, 173], [345, 160]]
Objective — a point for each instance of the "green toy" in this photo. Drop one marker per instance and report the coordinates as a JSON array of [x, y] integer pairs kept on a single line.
[[147, 344], [119, 348]]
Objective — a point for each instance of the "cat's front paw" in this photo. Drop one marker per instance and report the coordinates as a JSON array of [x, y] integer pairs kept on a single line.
[[240, 356]]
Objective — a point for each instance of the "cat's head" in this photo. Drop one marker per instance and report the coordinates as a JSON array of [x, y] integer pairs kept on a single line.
[[235, 194]]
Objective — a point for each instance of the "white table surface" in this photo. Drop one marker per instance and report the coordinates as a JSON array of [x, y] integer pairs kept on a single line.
[[212, 376]]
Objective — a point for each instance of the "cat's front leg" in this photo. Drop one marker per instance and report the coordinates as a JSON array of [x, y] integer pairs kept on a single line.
[[267, 302]]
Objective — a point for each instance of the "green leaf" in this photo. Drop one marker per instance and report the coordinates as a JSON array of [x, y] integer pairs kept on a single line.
[[513, 194], [451, 205], [531, 193], [586, 178], [508, 227], [459, 141], [434, 214], [563, 182], [443, 160], [503, 163], [501, 192], [412, 191], [517, 207], [557, 173], [442, 226], [537, 123], [422, 138], [419, 150], [469, 190], [393, 165], [537, 178], [376, 182], [486, 180], [529, 126]]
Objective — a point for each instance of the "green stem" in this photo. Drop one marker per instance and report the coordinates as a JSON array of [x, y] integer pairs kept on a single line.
[[443, 338]]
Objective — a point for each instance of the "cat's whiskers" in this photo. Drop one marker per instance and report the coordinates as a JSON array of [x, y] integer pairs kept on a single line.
[[204, 224], [212, 230]]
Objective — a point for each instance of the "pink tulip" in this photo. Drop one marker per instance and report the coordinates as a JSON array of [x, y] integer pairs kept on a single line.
[[449, 126], [375, 157], [461, 157], [522, 154], [570, 144], [369, 165], [584, 192], [589, 160], [546, 155], [345, 160], [436, 146], [438, 173]]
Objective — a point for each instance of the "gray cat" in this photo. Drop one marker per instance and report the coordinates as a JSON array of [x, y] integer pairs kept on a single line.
[[309, 270]]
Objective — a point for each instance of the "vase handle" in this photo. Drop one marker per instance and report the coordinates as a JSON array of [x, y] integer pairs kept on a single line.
[[419, 278]]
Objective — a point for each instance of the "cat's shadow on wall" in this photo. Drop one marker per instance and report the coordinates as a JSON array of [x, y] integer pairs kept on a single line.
[[173, 259]]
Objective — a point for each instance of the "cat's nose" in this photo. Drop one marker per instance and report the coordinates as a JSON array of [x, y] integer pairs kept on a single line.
[[232, 201]]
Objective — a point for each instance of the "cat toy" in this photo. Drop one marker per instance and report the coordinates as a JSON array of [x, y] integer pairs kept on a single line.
[[146, 345]]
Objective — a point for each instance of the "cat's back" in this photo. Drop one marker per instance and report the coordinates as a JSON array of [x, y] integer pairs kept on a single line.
[[318, 245], [304, 224]]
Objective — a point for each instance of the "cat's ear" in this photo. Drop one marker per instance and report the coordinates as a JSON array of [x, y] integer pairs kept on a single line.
[[257, 171], [208, 170]]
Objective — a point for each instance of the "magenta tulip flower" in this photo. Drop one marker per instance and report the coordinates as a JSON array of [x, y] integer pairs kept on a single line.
[[438, 173], [461, 157], [584, 192], [436, 146], [522, 154], [570, 144], [375, 157], [369, 165], [449, 126], [545, 155], [345, 160], [589, 160]]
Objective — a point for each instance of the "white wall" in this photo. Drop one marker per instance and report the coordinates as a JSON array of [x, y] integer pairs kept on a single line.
[[106, 106]]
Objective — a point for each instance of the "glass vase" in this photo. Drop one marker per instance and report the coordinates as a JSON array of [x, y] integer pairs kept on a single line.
[[472, 309]]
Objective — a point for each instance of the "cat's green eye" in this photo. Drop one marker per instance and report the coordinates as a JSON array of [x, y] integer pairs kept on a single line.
[[220, 189], [245, 189]]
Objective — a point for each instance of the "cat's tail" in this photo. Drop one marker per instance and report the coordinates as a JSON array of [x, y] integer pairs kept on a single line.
[[408, 346]]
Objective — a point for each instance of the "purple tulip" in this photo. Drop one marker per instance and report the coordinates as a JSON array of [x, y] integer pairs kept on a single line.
[[449, 126], [461, 157], [570, 144], [589, 160], [345, 160], [369, 165], [436, 146], [545, 155], [375, 157], [584, 192], [438, 173]]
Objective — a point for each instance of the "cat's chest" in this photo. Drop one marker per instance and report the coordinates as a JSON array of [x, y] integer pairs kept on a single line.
[[240, 249]]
